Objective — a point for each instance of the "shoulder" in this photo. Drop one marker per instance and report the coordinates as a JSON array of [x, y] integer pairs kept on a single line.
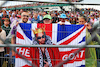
[[59, 22], [48, 40], [48, 37], [2, 26], [33, 19], [2, 32], [34, 41], [67, 22]]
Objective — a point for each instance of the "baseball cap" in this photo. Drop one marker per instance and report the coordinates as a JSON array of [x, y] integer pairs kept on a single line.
[[63, 15], [4, 9], [47, 17]]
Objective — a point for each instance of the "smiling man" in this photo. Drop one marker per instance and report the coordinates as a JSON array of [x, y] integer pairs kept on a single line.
[[47, 19], [24, 19], [41, 37]]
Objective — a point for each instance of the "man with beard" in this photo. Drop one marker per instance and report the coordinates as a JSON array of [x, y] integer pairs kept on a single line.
[[24, 19], [42, 56]]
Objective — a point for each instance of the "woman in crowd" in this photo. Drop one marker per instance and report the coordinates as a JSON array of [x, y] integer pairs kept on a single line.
[[90, 53], [13, 18]]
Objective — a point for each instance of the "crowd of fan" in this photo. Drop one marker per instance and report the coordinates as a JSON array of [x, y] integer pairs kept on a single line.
[[10, 19], [37, 17], [31, 5], [40, 4]]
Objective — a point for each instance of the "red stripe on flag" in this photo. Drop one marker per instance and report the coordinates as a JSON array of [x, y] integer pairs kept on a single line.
[[26, 66], [72, 38], [20, 36], [48, 28]]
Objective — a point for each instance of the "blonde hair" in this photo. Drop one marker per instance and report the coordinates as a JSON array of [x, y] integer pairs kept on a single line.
[[82, 18]]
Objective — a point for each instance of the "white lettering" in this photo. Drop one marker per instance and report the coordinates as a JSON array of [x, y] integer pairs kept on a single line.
[[81, 53], [21, 51], [65, 57], [71, 56], [77, 55], [27, 53]]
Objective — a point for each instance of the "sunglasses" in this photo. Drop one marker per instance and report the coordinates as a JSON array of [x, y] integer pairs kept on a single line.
[[41, 37], [25, 16], [46, 19]]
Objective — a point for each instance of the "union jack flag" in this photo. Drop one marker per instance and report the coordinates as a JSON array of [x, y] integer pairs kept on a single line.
[[60, 35]]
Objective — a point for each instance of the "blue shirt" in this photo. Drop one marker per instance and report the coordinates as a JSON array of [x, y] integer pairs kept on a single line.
[[35, 21], [40, 17]]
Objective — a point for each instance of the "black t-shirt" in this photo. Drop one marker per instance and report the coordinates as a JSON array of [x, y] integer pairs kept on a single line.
[[55, 19]]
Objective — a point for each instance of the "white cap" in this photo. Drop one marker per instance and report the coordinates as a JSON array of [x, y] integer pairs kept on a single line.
[[4, 9]]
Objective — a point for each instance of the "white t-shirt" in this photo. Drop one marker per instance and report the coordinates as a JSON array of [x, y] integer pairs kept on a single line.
[[66, 22], [3, 36]]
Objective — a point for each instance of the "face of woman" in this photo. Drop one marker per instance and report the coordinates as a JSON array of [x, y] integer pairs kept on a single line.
[[82, 21]]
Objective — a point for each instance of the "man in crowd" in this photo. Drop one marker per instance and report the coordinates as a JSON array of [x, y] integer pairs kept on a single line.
[[63, 19], [55, 18], [47, 19], [3, 11], [45, 55], [44, 13], [24, 19], [6, 26], [40, 16], [35, 19], [4, 15]]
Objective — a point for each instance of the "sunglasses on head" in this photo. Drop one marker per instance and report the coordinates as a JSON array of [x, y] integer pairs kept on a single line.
[[41, 37], [25, 16]]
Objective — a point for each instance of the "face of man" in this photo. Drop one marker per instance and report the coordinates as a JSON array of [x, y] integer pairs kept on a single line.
[[35, 15], [21, 10], [40, 38], [52, 15], [82, 21], [43, 14], [25, 16], [63, 19], [47, 21], [4, 13], [6, 23], [40, 13]]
